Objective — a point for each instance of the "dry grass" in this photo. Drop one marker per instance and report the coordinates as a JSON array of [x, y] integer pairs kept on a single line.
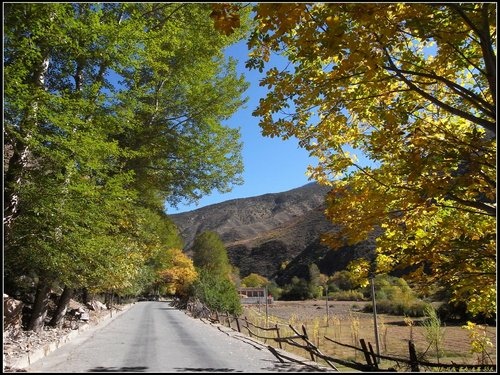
[[347, 324]]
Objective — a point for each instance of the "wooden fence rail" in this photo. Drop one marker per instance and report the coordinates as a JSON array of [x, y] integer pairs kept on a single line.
[[301, 340], [414, 363]]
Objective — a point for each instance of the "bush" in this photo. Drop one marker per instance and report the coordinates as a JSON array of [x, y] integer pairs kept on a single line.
[[341, 280], [346, 295], [217, 292], [298, 290], [391, 288], [274, 290], [414, 308], [332, 288], [457, 313], [394, 296], [254, 280]]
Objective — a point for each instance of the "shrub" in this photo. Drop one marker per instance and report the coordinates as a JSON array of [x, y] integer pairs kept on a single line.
[[332, 288], [391, 288], [456, 312], [434, 332], [298, 290], [254, 280], [346, 295], [217, 292], [414, 308], [274, 290], [341, 280]]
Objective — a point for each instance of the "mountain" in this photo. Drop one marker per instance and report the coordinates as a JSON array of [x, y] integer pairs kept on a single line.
[[262, 234]]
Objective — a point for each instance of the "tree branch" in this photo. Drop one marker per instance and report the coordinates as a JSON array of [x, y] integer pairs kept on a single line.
[[485, 43], [489, 210], [468, 95], [490, 126]]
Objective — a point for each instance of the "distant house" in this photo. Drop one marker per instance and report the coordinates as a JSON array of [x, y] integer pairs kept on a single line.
[[254, 296]]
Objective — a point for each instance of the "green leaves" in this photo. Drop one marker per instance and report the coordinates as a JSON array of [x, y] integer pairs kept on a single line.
[[111, 110], [210, 254]]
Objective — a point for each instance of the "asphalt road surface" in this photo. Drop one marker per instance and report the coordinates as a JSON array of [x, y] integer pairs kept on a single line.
[[155, 337]]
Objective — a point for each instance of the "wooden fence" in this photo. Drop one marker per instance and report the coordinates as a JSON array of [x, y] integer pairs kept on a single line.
[[301, 340]]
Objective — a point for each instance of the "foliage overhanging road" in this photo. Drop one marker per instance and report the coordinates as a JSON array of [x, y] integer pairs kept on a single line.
[[155, 337]]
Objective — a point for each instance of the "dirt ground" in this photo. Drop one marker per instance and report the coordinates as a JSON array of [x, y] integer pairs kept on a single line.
[[344, 322], [18, 344]]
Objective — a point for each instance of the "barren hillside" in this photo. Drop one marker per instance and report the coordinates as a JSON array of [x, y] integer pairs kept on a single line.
[[262, 232]]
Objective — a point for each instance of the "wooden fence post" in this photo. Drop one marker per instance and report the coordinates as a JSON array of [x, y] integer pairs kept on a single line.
[[248, 329], [278, 335], [237, 323], [367, 354], [413, 357], [306, 340], [375, 358]]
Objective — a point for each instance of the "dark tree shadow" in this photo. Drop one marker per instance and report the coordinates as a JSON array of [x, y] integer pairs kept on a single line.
[[293, 367], [119, 369], [190, 369]]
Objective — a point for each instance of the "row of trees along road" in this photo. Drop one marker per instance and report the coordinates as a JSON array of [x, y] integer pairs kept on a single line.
[[110, 110], [412, 86]]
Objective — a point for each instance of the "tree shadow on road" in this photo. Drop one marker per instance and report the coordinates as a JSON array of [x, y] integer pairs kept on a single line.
[[201, 369], [294, 367], [119, 369]]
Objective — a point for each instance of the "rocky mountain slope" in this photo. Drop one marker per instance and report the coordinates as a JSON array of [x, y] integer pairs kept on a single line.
[[263, 233]]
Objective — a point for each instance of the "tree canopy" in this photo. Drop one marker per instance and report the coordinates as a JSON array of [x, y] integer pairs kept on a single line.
[[412, 88], [179, 273], [110, 110], [214, 286], [254, 280], [209, 253]]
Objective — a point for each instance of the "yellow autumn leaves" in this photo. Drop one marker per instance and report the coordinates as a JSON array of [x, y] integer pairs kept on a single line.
[[412, 88], [180, 273]]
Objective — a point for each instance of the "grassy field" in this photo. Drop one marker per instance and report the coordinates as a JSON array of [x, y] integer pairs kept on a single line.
[[344, 322]]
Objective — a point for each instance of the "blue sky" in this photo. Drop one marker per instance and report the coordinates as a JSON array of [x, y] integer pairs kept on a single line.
[[271, 165]]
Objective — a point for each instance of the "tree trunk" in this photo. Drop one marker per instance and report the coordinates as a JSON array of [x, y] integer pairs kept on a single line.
[[40, 307], [19, 161], [85, 296], [16, 166], [62, 306]]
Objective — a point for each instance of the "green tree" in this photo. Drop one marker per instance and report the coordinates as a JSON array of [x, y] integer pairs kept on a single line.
[[316, 280], [254, 280], [209, 253], [297, 290], [217, 292], [412, 88], [153, 234], [343, 280], [214, 286], [184, 89], [274, 289], [109, 108]]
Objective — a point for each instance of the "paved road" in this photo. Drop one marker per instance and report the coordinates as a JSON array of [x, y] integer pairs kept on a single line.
[[155, 337]]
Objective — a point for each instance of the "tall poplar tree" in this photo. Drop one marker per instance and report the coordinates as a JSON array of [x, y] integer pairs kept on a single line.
[[214, 285], [209, 253], [108, 107]]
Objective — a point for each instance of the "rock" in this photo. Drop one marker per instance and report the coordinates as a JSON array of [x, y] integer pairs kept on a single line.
[[84, 316], [12, 313], [96, 306]]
